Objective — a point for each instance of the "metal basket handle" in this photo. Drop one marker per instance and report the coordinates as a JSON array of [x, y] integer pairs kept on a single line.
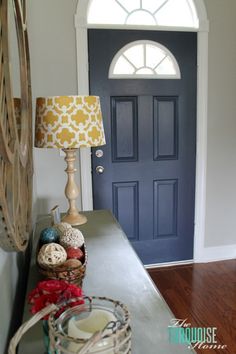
[[27, 325]]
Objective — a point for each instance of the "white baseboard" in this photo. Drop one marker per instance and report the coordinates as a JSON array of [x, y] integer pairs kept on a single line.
[[168, 264], [213, 254], [208, 254]]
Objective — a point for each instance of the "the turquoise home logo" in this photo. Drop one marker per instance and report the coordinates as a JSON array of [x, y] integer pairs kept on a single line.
[[181, 332]]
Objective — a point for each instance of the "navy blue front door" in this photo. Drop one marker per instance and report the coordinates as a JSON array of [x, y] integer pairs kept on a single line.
[[149, 159]]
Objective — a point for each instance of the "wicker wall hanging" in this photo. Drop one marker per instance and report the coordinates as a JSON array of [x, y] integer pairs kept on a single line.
[[15, 133]]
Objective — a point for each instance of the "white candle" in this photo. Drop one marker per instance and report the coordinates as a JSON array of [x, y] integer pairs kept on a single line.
[[85, 328]]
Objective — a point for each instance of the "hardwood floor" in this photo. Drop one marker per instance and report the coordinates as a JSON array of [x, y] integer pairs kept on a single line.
[[205, 294]]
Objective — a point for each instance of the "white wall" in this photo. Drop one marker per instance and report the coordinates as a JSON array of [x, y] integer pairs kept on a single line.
[[53, 67], [221, 157]]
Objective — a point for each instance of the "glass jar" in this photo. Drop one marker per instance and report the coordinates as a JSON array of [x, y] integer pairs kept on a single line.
[[100, 325]]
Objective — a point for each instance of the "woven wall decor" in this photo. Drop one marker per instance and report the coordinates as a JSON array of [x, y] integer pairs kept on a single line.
[[15, 133]]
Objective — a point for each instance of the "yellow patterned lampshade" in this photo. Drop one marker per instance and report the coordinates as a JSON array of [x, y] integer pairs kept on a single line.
[[68, 122]]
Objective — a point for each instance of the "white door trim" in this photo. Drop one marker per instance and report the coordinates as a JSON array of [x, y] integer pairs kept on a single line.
[[202, 112]]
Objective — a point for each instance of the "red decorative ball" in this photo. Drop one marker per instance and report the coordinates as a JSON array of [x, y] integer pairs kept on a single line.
[[74, 253]]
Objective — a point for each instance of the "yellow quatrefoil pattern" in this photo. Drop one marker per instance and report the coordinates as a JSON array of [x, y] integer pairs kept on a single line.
[[68, 122]]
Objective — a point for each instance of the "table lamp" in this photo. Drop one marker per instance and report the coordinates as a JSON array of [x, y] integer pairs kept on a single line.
[[69, 123]]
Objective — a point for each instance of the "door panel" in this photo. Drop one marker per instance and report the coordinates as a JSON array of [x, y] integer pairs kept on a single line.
[[124, 141], [165, 194], [125, 207], [165, 128], [149, 159]]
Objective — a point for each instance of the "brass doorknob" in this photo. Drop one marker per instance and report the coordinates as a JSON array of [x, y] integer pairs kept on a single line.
[[99, 170]]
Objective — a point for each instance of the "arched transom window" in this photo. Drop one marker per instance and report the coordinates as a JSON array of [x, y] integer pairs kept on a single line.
[[144, 59], [174, 13]]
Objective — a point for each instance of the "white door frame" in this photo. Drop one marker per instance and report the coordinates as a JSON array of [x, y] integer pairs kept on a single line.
[[202, 112]]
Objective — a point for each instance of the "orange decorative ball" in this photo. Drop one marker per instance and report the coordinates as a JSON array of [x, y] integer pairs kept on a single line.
[[74, 253]]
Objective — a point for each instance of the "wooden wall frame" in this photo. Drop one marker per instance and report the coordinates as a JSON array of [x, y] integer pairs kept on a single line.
[[16, 167]]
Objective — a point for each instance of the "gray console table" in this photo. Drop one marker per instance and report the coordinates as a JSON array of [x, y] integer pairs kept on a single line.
[[114, 271]]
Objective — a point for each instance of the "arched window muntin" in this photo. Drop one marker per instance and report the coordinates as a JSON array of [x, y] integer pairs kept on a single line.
[[148, 71], [161, 14]]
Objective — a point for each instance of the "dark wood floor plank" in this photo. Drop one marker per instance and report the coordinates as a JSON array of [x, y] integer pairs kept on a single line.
[[205, 294]]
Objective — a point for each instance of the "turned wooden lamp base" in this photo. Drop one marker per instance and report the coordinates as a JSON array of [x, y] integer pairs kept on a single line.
[[73, 217]]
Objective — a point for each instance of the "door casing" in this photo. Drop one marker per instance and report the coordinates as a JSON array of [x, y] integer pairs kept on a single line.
[[202, 108]]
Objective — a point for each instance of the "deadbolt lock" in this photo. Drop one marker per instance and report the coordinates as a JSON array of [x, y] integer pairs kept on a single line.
[[99, 153]]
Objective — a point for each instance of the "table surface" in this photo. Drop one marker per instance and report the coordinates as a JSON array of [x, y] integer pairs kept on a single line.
[[115, 271]]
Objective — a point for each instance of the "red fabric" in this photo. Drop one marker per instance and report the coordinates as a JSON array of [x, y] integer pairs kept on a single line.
[[54, 292]]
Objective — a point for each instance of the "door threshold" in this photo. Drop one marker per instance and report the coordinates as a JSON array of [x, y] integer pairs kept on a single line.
[[168, 264]]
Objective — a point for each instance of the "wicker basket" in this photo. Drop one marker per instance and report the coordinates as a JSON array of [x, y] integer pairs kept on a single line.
[[73, 275]]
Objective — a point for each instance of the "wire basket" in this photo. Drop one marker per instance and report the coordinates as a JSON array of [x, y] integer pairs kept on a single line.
[[74, 275], [110, 337]]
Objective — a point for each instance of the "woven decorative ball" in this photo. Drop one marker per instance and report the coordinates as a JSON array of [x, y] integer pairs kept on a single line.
[[72, 270], [62, 227], [51, 255], [48, 235], [74, 253], [72, 238]]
